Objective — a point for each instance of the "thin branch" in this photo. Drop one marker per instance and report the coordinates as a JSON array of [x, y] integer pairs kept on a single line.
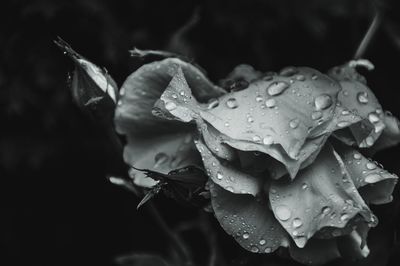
[[371, 32]]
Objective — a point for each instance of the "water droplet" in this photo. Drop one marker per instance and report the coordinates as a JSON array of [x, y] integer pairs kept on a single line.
[[314, 77], [270, 103], [294, 123], [357, 156], [232, 103], [301, 241], [345, 112], [259, 98], [245, 235], [323, 102], [174, 96], [277, 88], [256, 138], [213, 103], [297, 223], [226, 124], [268, 250], [268, 140], [362, 97], [300, 77], [344, 217], [304, 186], [262, 242], [282, 212], [250, 119], [170, 106], [370, 166], [325, 210], [219, 176], [343, 124], [254, 249], [372, 178], [373, 118], [316, 115], [369, 141]]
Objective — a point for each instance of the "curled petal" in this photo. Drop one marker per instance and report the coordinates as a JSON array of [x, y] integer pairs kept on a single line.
[[248, 220], [374, 183], [143, 88], [273, 116], [322, 195], [161, 154], [358, 100], [315, 252], [226, 176]]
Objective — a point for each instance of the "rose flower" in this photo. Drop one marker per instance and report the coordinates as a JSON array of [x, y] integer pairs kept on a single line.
[[285, 152]]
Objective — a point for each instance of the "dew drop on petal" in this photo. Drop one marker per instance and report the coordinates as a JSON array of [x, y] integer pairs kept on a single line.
[[369, 141], [282, 212], [325, 210], [373, 118], [254, 249], [343, 124], [219, 176], [214, 103], [357, 156], [323, 102], [304, 186], [370, 166], [256, 138], [288, 71], [267, 250], [270, 103], [232, 103], [344, 217], [297, 223], [372, 178], [170, 106], [277, 88], [259, 98], [316, 115], [362, 97], [262, 242], [245, 235], [268, 140], [294, 123]]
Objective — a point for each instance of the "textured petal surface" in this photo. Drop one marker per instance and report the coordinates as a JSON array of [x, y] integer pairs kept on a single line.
[[322, 195], [248, 220], [359, 100], [374, 183], [144, 87], [226, 176]]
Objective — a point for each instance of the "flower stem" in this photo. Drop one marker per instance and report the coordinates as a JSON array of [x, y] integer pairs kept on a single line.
[[371, 32]]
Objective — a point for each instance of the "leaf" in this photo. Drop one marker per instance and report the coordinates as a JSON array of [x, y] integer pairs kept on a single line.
[[321, 195], [248, 220], [151, 194]]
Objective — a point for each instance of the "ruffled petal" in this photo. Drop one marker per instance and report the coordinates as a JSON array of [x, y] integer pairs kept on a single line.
[[375, 184], [315, 252], [273, 115], [161, 154], [144, 87], [248, 220], [226, 176], [359, 100], [322, 195]]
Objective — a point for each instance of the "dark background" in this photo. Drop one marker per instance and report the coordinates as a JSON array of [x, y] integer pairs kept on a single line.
[[56, 206]]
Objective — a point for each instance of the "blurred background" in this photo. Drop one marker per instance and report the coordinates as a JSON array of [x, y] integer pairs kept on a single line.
[[56, 206]]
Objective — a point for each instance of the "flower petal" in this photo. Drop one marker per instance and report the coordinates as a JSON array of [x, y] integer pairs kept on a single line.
[[321, 195], [226, 176], [161, 154], [315, 252], [248, 220], [356, 97], [390, 135], [143, 88], [273, 116], [374, 183]]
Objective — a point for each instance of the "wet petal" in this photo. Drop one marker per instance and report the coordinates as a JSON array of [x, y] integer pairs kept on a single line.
[[248, 220], [321, 195], [290, 130], [240, 77], [315, 252], [390, 135], [373, 182], [144, 87], [161, 154], [357, 98], [226, 176]]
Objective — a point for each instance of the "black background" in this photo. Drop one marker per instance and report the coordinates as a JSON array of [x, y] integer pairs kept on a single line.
[[56, 206]]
